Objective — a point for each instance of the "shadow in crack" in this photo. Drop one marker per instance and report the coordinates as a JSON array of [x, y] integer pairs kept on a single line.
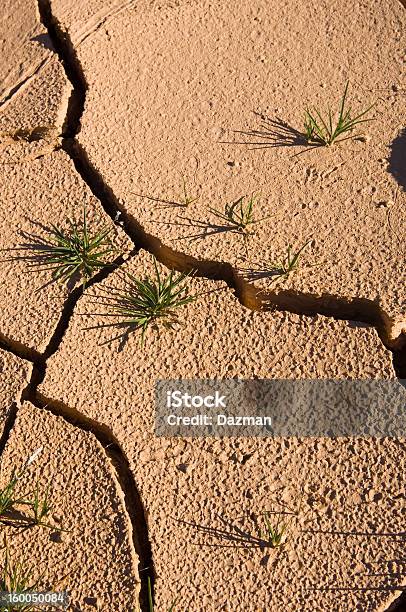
[[44, 41], [397, 159]]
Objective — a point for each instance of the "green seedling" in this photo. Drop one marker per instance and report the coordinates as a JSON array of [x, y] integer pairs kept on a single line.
[[290, 263], [75, 251], [240, 214], [148, 301], [41, 507], [16, 578], [8, 497], [10, 501], [150, 600], [323, 131], [275, 533], [185, 199]]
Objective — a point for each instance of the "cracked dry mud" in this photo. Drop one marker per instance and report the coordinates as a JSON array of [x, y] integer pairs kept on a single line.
[[212, 121], [101, 101]]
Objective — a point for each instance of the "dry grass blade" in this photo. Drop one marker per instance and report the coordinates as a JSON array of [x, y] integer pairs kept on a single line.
[[186, 199]]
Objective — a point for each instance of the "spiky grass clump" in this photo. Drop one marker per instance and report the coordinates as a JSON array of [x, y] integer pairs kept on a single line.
[[186, 199], [290, 263], [275, 532], [240, 214], [149, 301], [323, 131], [76, 251]]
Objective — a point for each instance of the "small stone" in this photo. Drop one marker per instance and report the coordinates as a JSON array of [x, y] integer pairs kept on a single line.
[[384, 204], [356, 498]]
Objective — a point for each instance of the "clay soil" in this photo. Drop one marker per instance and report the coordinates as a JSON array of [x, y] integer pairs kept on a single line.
[[125, 110]]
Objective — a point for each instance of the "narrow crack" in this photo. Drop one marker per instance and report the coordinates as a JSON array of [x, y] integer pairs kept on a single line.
[[133, 503], [102, 433], [15, 89], [19, 349]]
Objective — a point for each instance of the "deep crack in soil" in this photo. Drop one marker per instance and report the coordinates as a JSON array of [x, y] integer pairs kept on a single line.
[[351, 309]]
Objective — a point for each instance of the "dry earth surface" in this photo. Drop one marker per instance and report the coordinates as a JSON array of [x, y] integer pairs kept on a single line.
[[87, 502], [111, 105], [198, 493], [235, 75]]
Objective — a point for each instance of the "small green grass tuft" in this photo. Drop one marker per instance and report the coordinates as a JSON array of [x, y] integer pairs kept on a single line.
[[148, 301], [16, 578], [290, 263], [322, 131], [8, 497], [186, 200], [10, 502], [41, 506], [275, 533], [74, 252], [240, 214]]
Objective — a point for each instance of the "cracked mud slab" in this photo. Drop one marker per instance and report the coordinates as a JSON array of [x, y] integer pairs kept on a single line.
[[24, 42], [34, 91], [199, 493], [205, 86], [36, 193], [94, 559], [39, 108], [13, 378]]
